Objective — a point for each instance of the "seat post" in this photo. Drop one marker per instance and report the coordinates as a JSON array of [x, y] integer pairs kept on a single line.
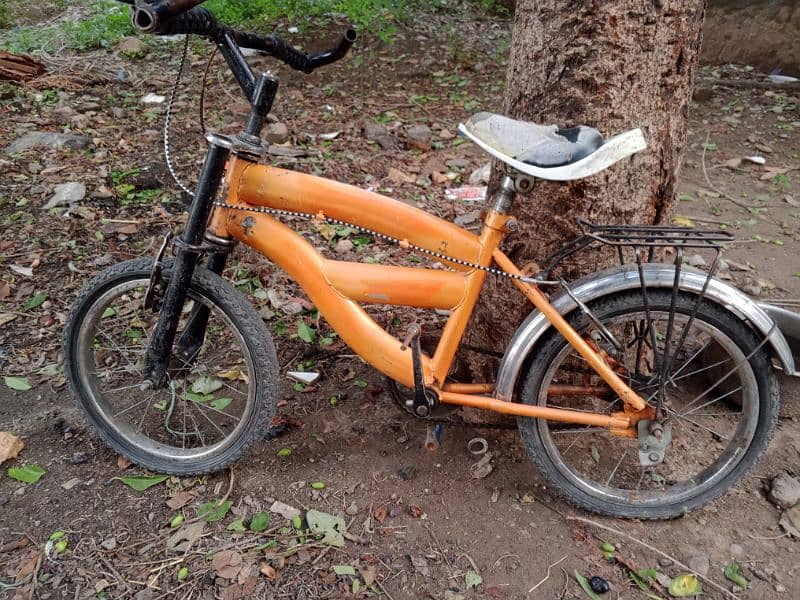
[[512, 182]]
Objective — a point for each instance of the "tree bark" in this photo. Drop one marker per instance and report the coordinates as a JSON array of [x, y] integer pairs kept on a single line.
[[614, 66]]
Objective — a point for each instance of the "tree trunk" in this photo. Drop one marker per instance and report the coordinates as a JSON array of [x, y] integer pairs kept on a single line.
[[614, 66]]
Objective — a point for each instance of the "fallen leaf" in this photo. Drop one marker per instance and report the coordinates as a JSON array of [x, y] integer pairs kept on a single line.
[[237, 526], [141, 482], [734, 574], [260, 522], [26, 271], [415, 510], [27, 473], [206, 385], [227, 564], [584, 583], [331, 528], [211, 512], [179, 500], [20, 384], [344, 569], [123, 463], [268, 571], [284, 510], [6, 318], [379, 514], [472, 579], [10, 446], [681, 220], [27, 566], [187, 535], [685, 585]]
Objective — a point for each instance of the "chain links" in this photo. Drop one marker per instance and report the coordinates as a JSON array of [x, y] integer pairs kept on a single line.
[[387, 238], [168, 119]]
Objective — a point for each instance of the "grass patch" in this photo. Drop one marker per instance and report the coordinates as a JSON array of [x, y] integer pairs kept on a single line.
[[106, 22]]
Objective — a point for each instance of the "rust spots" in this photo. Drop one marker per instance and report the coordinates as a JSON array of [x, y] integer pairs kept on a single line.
[[247, 224]]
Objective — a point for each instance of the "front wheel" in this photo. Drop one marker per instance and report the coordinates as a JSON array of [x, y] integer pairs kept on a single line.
[[718, 394], [214, 405]]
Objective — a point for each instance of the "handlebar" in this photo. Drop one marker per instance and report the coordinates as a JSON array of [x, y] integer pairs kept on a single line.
[[171, 17]]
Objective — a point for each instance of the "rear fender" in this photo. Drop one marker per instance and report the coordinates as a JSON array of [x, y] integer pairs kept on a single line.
[[619, 279]]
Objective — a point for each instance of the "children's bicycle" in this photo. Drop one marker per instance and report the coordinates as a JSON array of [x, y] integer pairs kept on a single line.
[[644, 390]]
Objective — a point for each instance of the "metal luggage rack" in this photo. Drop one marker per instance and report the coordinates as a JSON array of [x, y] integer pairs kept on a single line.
[[643, 240]]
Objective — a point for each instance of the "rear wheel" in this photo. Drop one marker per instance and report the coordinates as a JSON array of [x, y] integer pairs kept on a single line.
[[213, 406], [719, 397]]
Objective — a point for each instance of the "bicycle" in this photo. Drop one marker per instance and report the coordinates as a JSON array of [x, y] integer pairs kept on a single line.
[[644, 390]]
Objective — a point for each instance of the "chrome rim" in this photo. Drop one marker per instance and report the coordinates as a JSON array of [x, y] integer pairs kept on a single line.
[[207, 402], [711, 403]]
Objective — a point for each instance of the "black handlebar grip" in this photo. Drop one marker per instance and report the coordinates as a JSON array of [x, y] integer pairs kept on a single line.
[[153, 15]]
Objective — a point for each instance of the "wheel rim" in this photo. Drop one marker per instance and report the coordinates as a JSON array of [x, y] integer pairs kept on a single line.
[[207, 402], [711, 428]]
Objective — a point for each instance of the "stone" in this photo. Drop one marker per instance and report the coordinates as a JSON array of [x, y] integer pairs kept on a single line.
[[49, 140], [419, 136], [377, 132], [132, 47], [736, 550], [352, 510], [664, 562], [457, 163], [109, 544], [700, 565], [343, 246], [784, 491], [481, 175], [68, 485], [66, 194], [276, 133], [406, 473], [78, 458], [695, 260]]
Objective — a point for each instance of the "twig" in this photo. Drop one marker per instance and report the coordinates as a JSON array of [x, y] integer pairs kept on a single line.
[[708, 179], [653, 549], [472, 562], [774, 537], [547, 576], [441, 550], [746, 83], [497, 562], [383, 589]]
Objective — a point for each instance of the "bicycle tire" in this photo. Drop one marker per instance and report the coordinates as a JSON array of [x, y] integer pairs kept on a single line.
[[257, 347], [626, 307]]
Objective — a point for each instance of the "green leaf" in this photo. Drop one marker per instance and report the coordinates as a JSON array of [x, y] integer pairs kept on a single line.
[[141, 482], [297, 522], [110, 311], [356, 586], [606, 547], [26, 474], [34, 301], [595, 454], [211, 513], [305, 333], [734, 573], [206, 384], [183, 573], [284, 452], [642, 578], [57, 535], [318, 485], [260, 522], [584, 583], [201, 398], [61, 546], [237, 525], [176, 521], [360, 383], [21, 384], [221, 403], [331, 528], [685, 585], [472, 579], [344, 570]]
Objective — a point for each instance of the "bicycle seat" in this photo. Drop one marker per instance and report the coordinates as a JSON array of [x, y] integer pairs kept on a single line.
[[547, 151]]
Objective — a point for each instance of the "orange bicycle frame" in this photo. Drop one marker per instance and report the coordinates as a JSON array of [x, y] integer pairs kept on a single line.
[[338, 288]]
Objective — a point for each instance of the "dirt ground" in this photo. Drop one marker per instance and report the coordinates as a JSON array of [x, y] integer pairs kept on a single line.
[[421, 525]]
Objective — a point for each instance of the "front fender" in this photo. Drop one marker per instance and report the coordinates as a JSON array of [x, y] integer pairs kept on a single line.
[[619, 279]]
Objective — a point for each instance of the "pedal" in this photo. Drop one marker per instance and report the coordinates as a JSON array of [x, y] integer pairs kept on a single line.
[[424, 400], [157, 285], [654, 438]]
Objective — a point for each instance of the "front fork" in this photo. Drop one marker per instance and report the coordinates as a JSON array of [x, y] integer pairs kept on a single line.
[[190, 246]]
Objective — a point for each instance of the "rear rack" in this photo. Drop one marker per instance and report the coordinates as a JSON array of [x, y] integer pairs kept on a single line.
[[638, 238]]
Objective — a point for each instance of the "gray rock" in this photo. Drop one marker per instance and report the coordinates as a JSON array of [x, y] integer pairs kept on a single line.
[[352, 510], [3, 500], [78, 458], [699, 564], [419, 136], [343, 246], [664, 562], [46, 139], [276, 133], [481, 175], [695, 260], [376, 132], [66, 194], [736, 550], [784, 491], [132, 47], [457, 163], [109, 544]]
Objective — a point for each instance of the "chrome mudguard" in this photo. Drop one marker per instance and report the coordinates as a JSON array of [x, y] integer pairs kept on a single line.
[[618, 279]]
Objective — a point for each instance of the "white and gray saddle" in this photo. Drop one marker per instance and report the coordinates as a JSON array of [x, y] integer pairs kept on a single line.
[[547, 152]]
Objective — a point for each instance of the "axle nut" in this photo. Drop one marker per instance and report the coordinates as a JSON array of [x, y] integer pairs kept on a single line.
[[512, 225]]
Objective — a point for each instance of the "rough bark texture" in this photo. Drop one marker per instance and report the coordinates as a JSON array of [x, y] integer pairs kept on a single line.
[[18, 67], [614, 66]]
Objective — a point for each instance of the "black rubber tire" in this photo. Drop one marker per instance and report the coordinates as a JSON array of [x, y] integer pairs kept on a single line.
[[549, 347], [244, 318]]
